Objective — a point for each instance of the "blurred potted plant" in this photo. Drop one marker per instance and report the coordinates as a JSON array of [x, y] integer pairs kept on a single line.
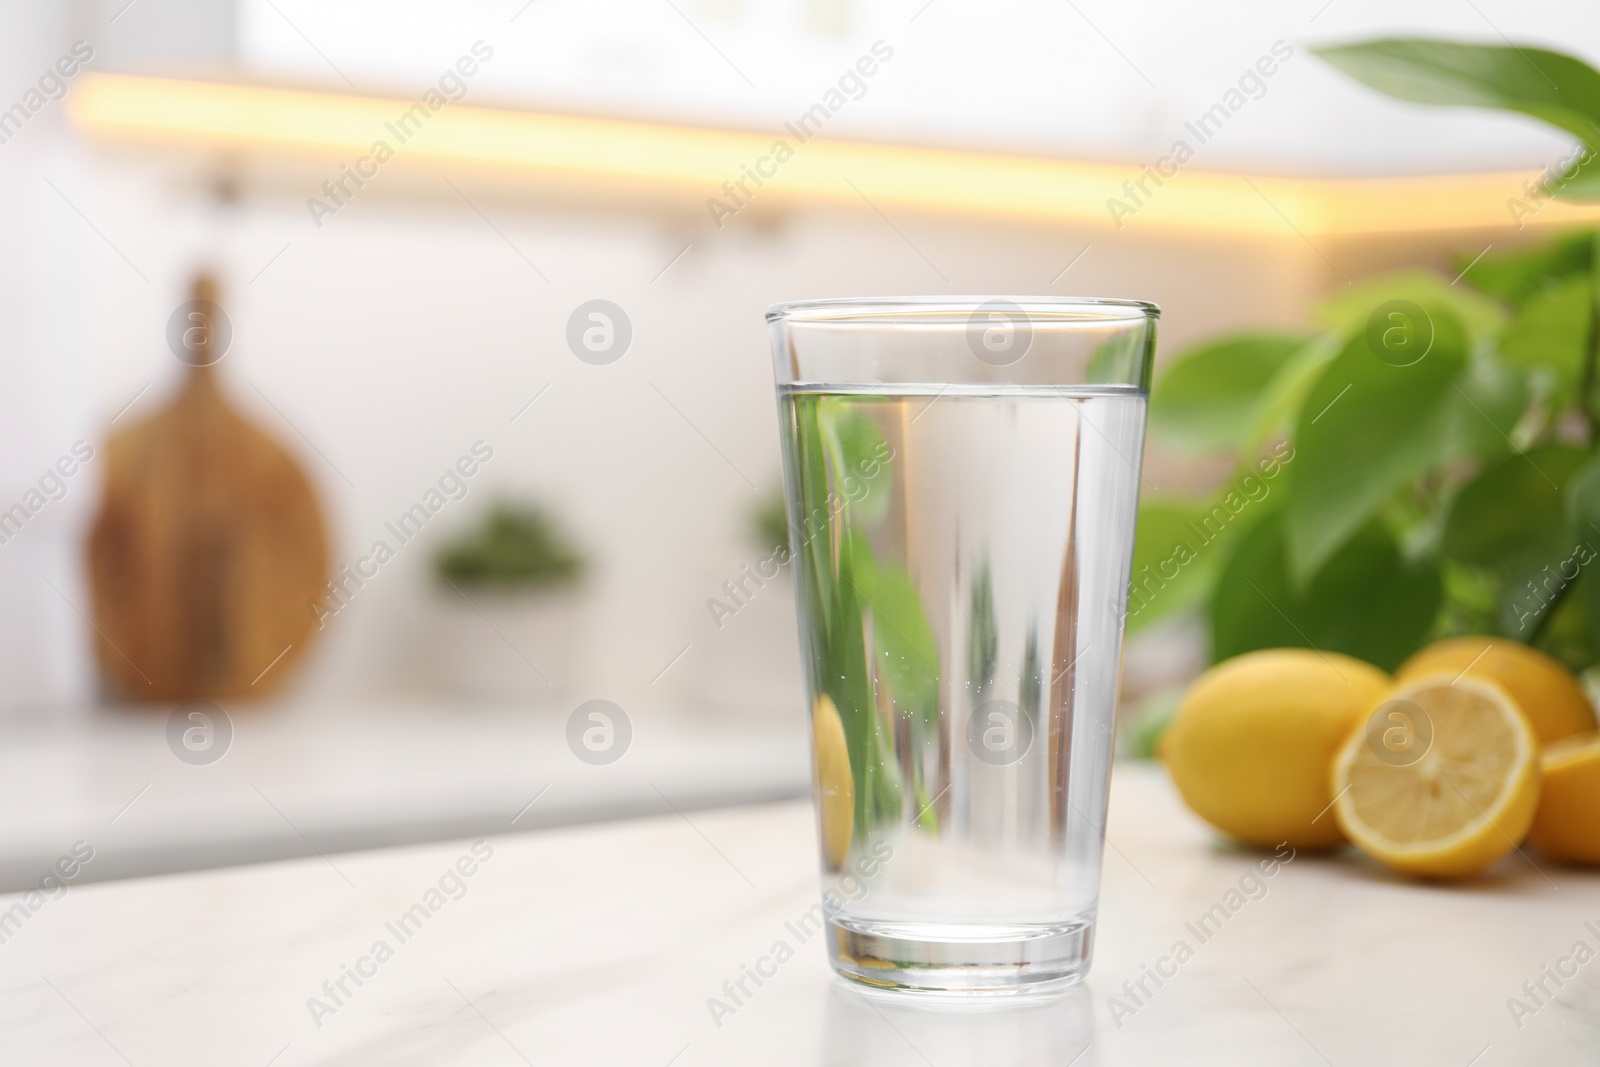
[[510, 613], [1421, 461]]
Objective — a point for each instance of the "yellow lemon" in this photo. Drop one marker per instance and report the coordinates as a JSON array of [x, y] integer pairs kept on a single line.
[[1548, 694], [1567, 824], [836, 791], [1250, 745], [1442, 780]]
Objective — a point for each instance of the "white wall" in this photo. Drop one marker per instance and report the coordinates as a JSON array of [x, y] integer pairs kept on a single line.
[[44, 403]]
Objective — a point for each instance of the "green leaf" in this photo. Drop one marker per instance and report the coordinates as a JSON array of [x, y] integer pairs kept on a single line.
[[1513, 276], [1568, 633], [1209, 397], [1169, 533], [1482, 410], [1180, 544], [1366, 601], [1520, 519], [907, 655], [1551, 330], [1366, 429], [1583, 500], [1350, 311], [1287, 391], [1589, 594], [861, 464], [1583, 518], [1471, 599], [1515, 510], [1530, 591], [1556, 88]]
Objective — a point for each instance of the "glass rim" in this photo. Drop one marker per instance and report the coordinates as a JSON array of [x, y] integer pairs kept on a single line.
[[890, 309]]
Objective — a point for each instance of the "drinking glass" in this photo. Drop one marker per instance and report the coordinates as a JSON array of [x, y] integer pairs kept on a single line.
[[962, 476]]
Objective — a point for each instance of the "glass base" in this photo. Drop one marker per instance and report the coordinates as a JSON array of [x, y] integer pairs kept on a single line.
[[961, 958]]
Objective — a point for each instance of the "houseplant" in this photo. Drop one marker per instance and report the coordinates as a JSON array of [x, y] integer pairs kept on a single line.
[[510, 610], [1421, 460]]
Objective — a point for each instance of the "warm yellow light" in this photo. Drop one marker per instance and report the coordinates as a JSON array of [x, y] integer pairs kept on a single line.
[[695, 163]]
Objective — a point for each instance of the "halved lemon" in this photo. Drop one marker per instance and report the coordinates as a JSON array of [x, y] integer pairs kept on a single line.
[[1441, 780], [1567, 825]]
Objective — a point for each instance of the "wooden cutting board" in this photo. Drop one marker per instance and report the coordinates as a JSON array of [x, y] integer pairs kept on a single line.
[[207, 553]]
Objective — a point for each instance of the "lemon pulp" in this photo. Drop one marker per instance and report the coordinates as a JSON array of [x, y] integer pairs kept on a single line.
[[1456, 807]]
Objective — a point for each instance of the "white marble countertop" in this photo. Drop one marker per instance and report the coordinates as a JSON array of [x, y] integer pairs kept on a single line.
[[601, 945]]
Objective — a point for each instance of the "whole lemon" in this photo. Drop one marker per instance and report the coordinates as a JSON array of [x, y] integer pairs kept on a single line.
[[1548, 694], [1567, 825], [1252, 744]]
